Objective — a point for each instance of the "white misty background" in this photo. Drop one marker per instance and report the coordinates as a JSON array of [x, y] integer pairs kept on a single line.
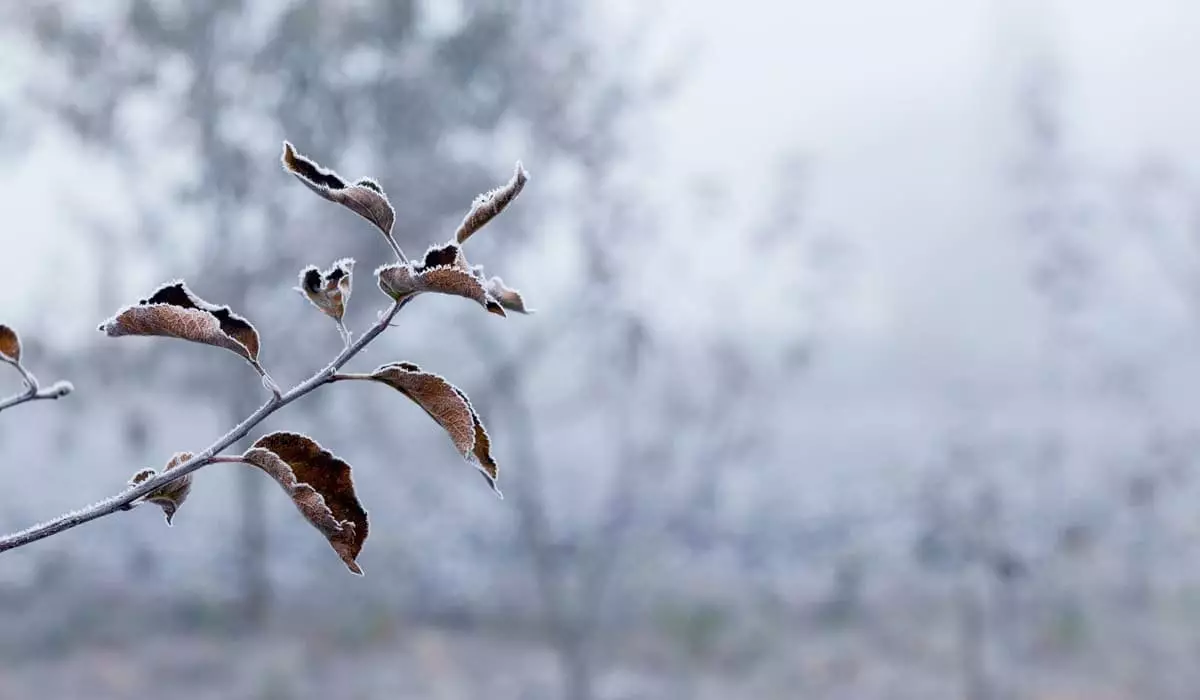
[[863, 366]]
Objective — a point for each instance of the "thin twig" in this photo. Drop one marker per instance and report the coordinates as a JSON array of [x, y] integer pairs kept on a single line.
[[55, 392], [30, 381], [210, 454], [33, 392]]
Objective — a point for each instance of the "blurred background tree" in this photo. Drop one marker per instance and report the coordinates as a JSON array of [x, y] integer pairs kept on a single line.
[[428, 98], [880, 387]]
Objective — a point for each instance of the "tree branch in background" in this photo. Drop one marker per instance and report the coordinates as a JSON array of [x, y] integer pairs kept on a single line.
[[319, 483], [10, 354]]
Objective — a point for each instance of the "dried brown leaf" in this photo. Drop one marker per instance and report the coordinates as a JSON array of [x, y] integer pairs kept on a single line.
[[10, 344], [509, 298], [329, 291], [482, 450], [320, 485], [173, 311], [447, 405], [489, 204], [170, 496], [364, 197], [443, 270]]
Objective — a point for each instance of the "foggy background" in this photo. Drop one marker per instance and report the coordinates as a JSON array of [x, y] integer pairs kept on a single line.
[[863, 366]]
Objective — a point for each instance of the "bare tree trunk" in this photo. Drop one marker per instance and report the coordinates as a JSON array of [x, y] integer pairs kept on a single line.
[[574, 658], [1141, 599], [561, 625], [972, 642], [254, 584], [1009, 619]]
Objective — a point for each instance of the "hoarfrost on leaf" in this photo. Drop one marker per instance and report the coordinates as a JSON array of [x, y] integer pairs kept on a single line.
[[509, 298], [443, 270], [172, 495], [447, 405], [173, 311], [488, 205], [364, 197], [330, 290], [321, 487]]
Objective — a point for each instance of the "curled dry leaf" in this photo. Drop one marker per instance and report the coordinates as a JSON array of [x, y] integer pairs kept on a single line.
[[171, 495], [482, 449], [320, 485], [489, 204], [173, 311], [329, 291], [10, 344], [508, 298], [443, 270], [365, 197], [447, 405]]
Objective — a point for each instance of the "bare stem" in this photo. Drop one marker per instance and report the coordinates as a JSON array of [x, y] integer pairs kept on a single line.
[[33, 392], [210, 455], [346, 376], [31, 382], [227, 459], [396, 247]]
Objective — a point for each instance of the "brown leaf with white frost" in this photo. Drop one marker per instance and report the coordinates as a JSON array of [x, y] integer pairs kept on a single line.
[[509, 298], [447, 405], [320, 485], [443, 270], [364, 197], [488, 205], [482, 449], [170, 496], [329, 291], [173, 311]]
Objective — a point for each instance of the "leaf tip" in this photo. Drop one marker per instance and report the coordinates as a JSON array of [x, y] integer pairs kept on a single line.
[[288, 159]]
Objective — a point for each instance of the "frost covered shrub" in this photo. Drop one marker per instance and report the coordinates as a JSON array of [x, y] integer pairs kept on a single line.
[[318, 482]]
